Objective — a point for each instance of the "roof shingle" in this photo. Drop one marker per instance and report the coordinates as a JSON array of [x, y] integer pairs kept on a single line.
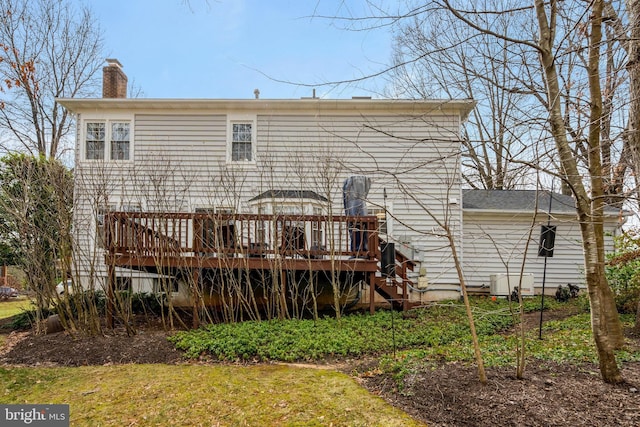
[[520, 200]]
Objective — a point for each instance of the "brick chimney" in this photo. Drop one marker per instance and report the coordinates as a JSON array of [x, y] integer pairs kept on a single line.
[[114, 81]]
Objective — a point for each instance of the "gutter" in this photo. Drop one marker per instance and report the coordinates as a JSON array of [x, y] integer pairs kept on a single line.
[[520, 212]]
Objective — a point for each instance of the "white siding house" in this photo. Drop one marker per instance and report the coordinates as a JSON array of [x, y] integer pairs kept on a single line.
[[213, 155], [291, 156]]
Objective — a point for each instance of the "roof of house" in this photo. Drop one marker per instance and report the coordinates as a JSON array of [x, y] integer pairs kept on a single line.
[[521, 201], [289, 194], [315, 105]]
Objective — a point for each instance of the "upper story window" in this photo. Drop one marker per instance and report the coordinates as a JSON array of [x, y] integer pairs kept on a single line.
[[241, 142], [120, 140], [241, 139], [95, 141], [110, 139]]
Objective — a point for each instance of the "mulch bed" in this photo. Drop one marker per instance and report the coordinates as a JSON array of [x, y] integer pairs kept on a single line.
[[549, 395]]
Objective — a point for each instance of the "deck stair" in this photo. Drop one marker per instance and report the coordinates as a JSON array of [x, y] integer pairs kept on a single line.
[[394, 285]]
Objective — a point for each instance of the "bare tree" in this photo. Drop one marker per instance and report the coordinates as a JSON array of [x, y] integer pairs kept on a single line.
[[51, 49], [589, 193], [437, 57], [559, 55], [589, 207], [633, 68]]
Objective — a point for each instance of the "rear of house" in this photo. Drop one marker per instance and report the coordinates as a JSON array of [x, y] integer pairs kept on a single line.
[[270, 157], [233, 190]]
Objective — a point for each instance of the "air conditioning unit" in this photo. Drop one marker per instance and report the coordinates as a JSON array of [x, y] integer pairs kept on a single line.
[[503, 284]]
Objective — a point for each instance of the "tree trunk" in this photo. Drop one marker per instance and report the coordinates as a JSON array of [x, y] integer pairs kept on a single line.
[[482, 375], [637, 327], [633, 67], [610, 314], [606, 327]]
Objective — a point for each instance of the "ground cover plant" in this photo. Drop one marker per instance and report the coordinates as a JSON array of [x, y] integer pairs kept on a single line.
[[351, 336], [568, 340]]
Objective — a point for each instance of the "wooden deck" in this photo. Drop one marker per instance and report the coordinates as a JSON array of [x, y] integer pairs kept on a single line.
[[197, 242]]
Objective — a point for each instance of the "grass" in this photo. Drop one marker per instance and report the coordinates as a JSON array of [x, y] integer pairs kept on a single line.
[[149, 395], [11, 307], [14, 306]]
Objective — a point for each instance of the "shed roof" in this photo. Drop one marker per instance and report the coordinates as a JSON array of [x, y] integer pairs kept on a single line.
[[521, 201]]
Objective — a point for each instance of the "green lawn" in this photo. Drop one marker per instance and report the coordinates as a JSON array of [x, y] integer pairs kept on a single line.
[[13, 306], [149, 395]]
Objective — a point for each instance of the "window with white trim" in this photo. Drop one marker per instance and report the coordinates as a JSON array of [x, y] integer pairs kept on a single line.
[[100, 224], [241, 147], [95, 137], [317, 230], [110, 139], [120, 140], [215, 232], [241, 139], [134, 207]]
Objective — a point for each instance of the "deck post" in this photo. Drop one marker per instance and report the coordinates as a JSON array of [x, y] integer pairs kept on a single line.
[[372, 292], [283, 296], [405, 299], [111, 280], [195, 276]]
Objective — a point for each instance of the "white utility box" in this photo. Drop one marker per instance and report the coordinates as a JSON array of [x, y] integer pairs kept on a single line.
[[503, 284]]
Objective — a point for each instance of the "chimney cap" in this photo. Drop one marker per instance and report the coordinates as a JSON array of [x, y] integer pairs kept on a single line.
[[113, 62]]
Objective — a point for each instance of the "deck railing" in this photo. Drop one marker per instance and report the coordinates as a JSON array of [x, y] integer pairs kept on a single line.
[[153, 234]]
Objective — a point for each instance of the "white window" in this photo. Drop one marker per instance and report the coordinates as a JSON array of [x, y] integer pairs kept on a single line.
[[120, 141], [95, 138], [225, 210], [288, 209], [217, 210], [217, 233], [241, 142], [134, 207], [241, 136], [109, 139], [261, 225], [100, 224]]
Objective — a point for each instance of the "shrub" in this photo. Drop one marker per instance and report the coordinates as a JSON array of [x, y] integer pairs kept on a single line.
[[623, 271], [26, 319], [146, 303], [71, 303]]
